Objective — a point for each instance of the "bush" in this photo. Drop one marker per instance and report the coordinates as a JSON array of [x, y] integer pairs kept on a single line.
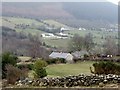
[[14, 74], [40, 73], [30, 66], [86, 56], [51, 61], [62, 60], [25, 66], [56, 61], [7, 58], [106, 67], [39, 68]]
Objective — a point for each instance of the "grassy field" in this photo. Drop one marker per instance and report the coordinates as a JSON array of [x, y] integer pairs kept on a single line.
[[24, 58], [55, 23], [63, 43], [18, 20], [31, 31], [60, 70], [69, 69], [6, 23], [55, 70]]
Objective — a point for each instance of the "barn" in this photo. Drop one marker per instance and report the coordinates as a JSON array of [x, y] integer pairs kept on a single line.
[[67, 56]]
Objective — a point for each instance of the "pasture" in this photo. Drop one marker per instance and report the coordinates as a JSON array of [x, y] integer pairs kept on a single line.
[[69, 69], [54, 23], [59, 43], [60, 70], [31, 31], [19, 20]]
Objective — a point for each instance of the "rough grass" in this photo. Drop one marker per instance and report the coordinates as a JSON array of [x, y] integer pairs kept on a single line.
[[60, 70], [6, 23], [18, 20], [55, 23], [24, 58], [69, 69], [31, 31], [60, 43]]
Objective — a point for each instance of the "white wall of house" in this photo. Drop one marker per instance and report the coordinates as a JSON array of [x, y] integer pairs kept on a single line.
[[69, 58]]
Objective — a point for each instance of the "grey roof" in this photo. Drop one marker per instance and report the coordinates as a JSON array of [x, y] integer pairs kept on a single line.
[[80, 53], [58, 55]]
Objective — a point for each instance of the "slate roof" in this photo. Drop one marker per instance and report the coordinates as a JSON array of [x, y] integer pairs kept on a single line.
[[58, 55], [78, 54]]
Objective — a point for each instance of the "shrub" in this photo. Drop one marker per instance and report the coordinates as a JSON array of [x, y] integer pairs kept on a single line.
[[86, 56], [30, 66], [25, 66], [40, 73], [62, 60], [7, 58], [56, 60], [106, 67], [40, 63], [39, 68], [14, 74]]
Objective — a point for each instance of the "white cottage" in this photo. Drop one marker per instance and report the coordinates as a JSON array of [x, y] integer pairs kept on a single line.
[[67, 56]]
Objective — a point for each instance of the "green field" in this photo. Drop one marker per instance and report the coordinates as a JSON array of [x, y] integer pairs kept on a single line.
[[31, 31], [60, 43], [69, 69], [55, 23], [19, 20], [60, 70]]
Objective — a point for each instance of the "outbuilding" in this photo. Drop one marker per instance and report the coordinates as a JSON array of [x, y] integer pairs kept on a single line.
[[67, 56]]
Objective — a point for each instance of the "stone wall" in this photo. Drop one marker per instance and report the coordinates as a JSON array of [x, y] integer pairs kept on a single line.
[[72, 81]]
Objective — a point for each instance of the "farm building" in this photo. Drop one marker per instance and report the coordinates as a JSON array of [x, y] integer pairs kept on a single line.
[[64, 29], [67, 56], [83, 29], [47, 35], [80, 54]]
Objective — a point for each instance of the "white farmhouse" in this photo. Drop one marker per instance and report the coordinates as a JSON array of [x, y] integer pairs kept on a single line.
[[67, 56], [62, 34], [47, 35], [83, 29], [64, 29]]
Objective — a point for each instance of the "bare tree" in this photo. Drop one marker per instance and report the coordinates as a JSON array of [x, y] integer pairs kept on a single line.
[[110, 46], [88, 42], [36, 48], [78, 43], [14, 73]]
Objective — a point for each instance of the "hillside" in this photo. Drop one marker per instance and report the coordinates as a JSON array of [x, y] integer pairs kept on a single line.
[[36, 10], [34, 27], [103, 11], [85, 14]]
